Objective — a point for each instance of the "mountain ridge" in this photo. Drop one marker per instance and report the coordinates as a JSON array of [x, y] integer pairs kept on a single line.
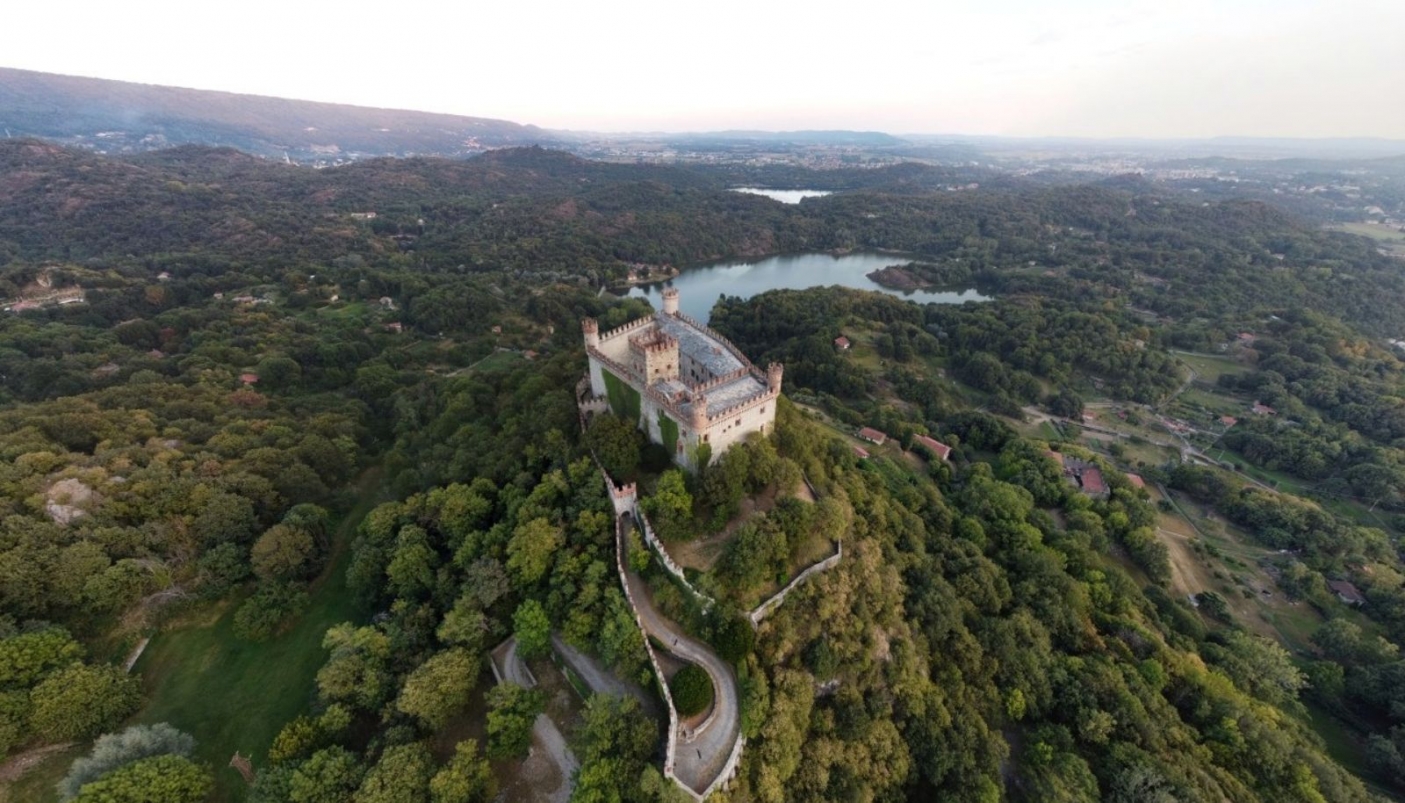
[[125, 117]]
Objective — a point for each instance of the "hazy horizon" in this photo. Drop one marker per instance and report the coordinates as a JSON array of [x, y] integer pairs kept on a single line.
[[1090, 69]]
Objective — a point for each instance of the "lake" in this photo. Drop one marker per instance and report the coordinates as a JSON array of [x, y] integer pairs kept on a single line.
[[699, 287], [784, 196]]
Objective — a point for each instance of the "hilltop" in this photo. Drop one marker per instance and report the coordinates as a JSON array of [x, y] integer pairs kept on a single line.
[[122, 117]]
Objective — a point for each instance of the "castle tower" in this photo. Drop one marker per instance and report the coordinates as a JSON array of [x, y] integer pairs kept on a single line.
[[592, 332], [699, 421], [670, 301], [774, 372], [655, 355]]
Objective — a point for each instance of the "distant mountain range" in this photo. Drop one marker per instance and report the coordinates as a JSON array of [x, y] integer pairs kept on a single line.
[[121, 117], [118, 117]]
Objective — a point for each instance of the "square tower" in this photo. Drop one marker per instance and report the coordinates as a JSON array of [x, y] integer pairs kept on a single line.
[[655, 355]]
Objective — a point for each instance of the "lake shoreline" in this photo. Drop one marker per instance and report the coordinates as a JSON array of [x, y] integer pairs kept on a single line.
[[701, 284]]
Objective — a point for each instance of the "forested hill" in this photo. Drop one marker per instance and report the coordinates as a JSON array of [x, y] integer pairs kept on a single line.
[[213, 367], [117, 116], [540, 211]]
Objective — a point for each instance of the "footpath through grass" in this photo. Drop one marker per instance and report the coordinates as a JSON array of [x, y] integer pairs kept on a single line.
[[234, 695]]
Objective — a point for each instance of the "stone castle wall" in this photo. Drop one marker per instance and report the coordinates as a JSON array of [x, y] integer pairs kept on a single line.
[[658, 357]]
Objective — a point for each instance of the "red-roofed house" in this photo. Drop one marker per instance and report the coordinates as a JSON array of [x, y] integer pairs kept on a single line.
[[1056, 457], [941, 450], [1092, 481], [249, 378], [1136, 480], [873, 436], [1346, 592], [841, 343], [1228, 420], [861, 452]]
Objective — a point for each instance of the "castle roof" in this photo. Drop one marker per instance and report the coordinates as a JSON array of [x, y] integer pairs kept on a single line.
[[712, 353], [732, 381]]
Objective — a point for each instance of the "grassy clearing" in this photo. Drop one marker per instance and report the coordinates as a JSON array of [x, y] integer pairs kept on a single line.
[[1210, 367], [354, 309], [1238, 562], [233, 695], [1216, 403], [38, 782], [499, 361], [1344, 746], [1375, 231], [862, 349]]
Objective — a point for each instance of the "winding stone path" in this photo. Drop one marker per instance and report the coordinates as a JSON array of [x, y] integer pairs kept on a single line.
[[699, 762]]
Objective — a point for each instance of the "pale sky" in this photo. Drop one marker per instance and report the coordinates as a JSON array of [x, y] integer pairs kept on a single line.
[[1148, 68]]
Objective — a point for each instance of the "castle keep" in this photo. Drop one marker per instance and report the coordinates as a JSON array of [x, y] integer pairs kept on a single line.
[[686, 386]]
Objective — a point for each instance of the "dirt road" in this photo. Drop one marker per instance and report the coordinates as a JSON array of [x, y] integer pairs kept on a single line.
[[546, 737]]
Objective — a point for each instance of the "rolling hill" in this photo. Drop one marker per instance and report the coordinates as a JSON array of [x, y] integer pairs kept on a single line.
[[121, 117]]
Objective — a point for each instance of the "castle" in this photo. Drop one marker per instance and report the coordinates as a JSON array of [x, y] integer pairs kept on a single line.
[[684, 384]]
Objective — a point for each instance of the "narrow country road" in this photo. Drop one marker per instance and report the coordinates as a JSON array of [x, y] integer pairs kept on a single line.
[[600, 679], [545, 735], [698, 762]]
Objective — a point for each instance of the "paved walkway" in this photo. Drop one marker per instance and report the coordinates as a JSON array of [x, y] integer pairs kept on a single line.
[[545, 735], [600, 679], [697, 763]]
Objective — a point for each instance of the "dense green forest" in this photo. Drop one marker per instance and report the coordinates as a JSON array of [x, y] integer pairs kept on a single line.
[[264, 385]]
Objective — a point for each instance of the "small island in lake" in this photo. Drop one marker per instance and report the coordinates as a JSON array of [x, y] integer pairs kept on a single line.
[[644, 273], [920, 276]]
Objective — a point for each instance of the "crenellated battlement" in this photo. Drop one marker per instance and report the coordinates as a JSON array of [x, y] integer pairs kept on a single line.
[[657, 357], [714, 334], [637, 323], [654, 342], [724, 379], [716, 416]]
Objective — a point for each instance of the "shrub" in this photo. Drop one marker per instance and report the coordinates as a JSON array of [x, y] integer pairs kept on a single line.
[[692, 690], [167, 778], [262, 614], [115, 750], [81, 701]]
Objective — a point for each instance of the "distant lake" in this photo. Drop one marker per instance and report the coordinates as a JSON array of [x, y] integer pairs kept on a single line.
[[699, 287], [784, 196]]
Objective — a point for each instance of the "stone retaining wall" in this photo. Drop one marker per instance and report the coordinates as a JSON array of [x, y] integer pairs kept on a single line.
[[729, 770], [668, 563], [671, 747], [764, 609]]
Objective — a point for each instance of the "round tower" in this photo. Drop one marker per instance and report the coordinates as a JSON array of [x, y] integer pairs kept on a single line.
[[592, 332], [699, 421], [670, 301], [774, 372]]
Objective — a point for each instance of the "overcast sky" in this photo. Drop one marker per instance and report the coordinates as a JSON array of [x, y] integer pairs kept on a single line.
[[1162, 68]]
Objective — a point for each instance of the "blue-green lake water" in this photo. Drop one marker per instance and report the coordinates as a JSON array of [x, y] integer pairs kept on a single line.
[[699, 287]]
